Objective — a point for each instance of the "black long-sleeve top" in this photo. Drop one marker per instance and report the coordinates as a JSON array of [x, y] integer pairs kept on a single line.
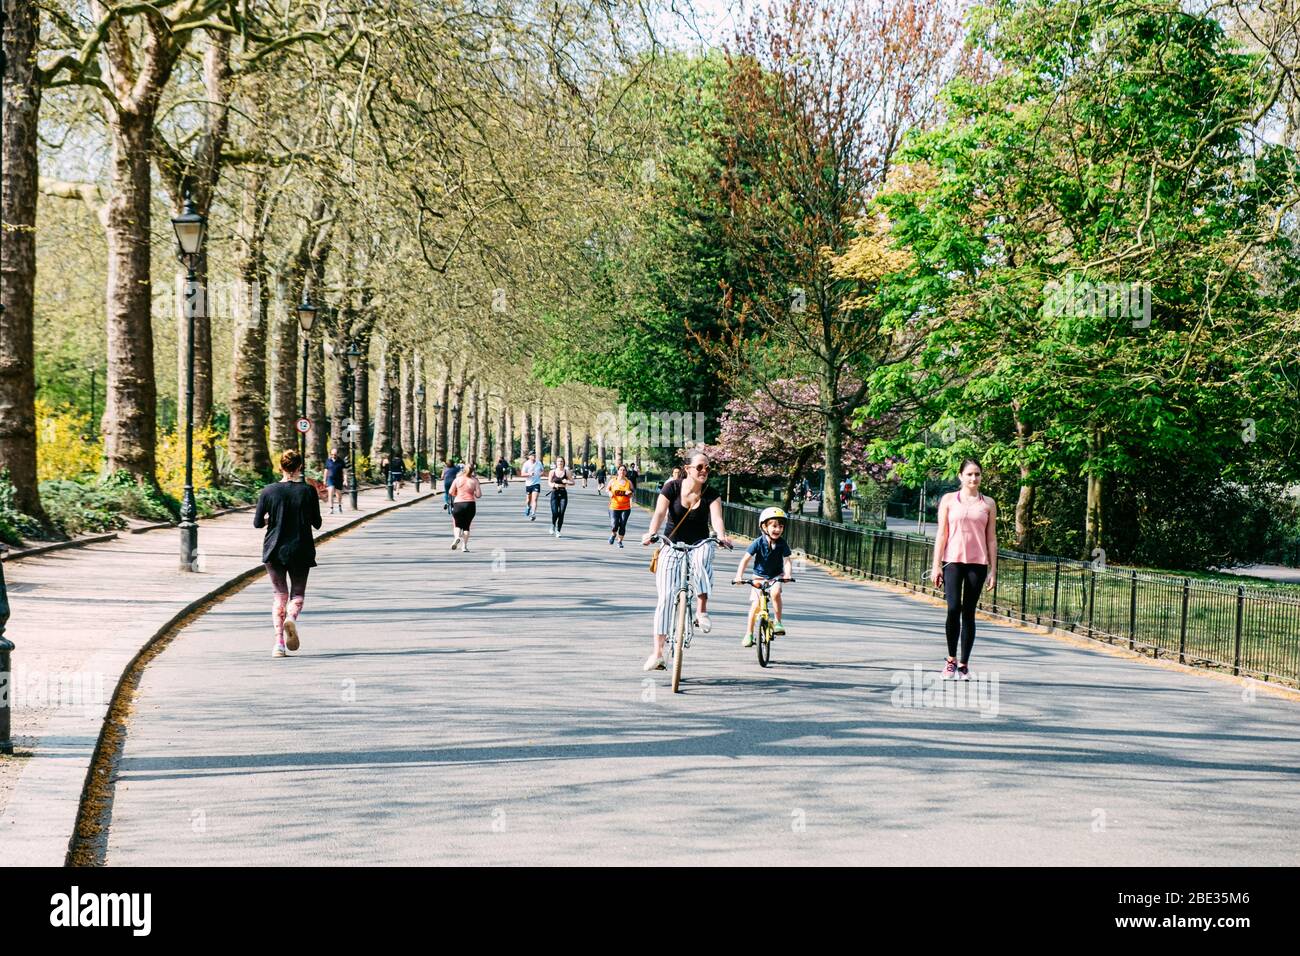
[[288, 510]]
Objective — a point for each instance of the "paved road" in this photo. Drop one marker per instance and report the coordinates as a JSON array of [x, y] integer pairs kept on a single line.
[[490, 709]]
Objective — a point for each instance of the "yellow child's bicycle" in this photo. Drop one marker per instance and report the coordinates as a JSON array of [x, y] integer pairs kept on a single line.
[[763, 628]]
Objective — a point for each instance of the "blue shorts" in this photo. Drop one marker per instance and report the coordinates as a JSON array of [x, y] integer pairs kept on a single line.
[[529, 489]]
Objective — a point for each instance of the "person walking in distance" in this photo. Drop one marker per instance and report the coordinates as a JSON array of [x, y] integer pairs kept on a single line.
[[601, 475], [967, 544], [503, 474], [559, 481], [335, 479], [465, 492], [288, 510], [449, 473], [532, 484], [620, 505], [397, 472]]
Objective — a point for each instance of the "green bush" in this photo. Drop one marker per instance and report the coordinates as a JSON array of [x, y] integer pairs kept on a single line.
[[14, 524], [140, 501], [75, 508]]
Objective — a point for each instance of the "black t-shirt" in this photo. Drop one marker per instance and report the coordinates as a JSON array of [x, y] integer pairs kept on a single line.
[[695, 527], [395, 465], [288, 510]]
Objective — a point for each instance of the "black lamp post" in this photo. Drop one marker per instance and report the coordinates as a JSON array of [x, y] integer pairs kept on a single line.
[[437, 433], [388, 432], [306, 319], [190, 227], [354, 357], [419, 433]]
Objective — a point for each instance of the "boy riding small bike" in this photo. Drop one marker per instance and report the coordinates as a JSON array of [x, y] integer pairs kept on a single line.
[[771, 556]]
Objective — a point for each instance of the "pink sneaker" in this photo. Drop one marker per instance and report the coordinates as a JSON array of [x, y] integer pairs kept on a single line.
[[950, 670]]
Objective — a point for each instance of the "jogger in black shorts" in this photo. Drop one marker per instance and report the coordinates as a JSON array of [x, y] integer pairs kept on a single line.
[[967, 546], [560, 480]]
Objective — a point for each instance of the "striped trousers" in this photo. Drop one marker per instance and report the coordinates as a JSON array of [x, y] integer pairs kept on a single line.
[[670, 573]]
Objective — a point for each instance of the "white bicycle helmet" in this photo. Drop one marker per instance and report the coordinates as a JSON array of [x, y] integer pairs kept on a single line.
[[769, 513]]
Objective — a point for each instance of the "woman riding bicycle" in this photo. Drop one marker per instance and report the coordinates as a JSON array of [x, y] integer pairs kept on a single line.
[[686, 509]]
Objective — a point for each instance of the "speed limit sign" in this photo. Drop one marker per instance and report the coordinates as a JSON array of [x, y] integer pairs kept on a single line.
[[304, 425]]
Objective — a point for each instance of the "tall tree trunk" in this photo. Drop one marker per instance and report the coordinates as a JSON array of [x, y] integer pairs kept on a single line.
[[481, 452], [832, 449], [568, 440], [247, 444], [361, 395], [455, 449], [557, 449], [508, 418], [1025, 501], [384, 405], [408, 403], [443, 412], [502, 449], [317, 409], [471, 424], [19, 187], [795, 475], [525, 433], [131, 404], [1093, 524], [285, 358]]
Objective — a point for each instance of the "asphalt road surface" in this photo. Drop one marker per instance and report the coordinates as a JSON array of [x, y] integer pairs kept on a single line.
[[490, 708]]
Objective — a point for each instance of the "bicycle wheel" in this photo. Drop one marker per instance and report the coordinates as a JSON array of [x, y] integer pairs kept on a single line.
[[681, 621], [763, 640]]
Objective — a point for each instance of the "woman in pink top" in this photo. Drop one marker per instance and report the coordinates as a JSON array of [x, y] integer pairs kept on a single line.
[[465, 492], [967, 544]]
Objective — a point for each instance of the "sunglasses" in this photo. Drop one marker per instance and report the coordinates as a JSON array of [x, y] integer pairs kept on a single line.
[[699, 467]]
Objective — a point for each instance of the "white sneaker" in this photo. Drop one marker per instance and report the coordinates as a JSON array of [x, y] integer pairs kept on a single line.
[[705, 624], [653, 663], [290, 633], [279, 651], [455, 543]]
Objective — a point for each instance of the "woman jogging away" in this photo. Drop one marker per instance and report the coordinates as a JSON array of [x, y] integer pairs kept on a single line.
[[288, 510], [465, 491], [559, 481], [967, 543], [686, 510]]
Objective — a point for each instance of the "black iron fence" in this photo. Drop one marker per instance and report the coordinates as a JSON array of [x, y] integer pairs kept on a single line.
[[1244, 630]]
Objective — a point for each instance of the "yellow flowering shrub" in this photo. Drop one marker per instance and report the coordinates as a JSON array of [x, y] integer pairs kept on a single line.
[[61, 449], [170, 468]]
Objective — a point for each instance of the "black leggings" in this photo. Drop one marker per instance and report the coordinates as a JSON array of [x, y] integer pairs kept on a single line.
[[959, 578], [559, 503], [618, 521]]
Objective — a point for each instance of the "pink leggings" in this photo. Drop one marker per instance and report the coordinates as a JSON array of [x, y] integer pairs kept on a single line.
[[288, 599]]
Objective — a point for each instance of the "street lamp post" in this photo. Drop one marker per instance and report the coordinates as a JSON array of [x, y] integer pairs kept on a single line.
[[354, 356], [388, 432], [306, 319], [190, 227], [419, 433]]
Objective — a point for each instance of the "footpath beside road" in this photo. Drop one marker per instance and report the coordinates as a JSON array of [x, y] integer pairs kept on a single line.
[[79, 617]]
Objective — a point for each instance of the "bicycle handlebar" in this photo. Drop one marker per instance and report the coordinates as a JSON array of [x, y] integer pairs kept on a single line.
[[759, 582], [677, 546]]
